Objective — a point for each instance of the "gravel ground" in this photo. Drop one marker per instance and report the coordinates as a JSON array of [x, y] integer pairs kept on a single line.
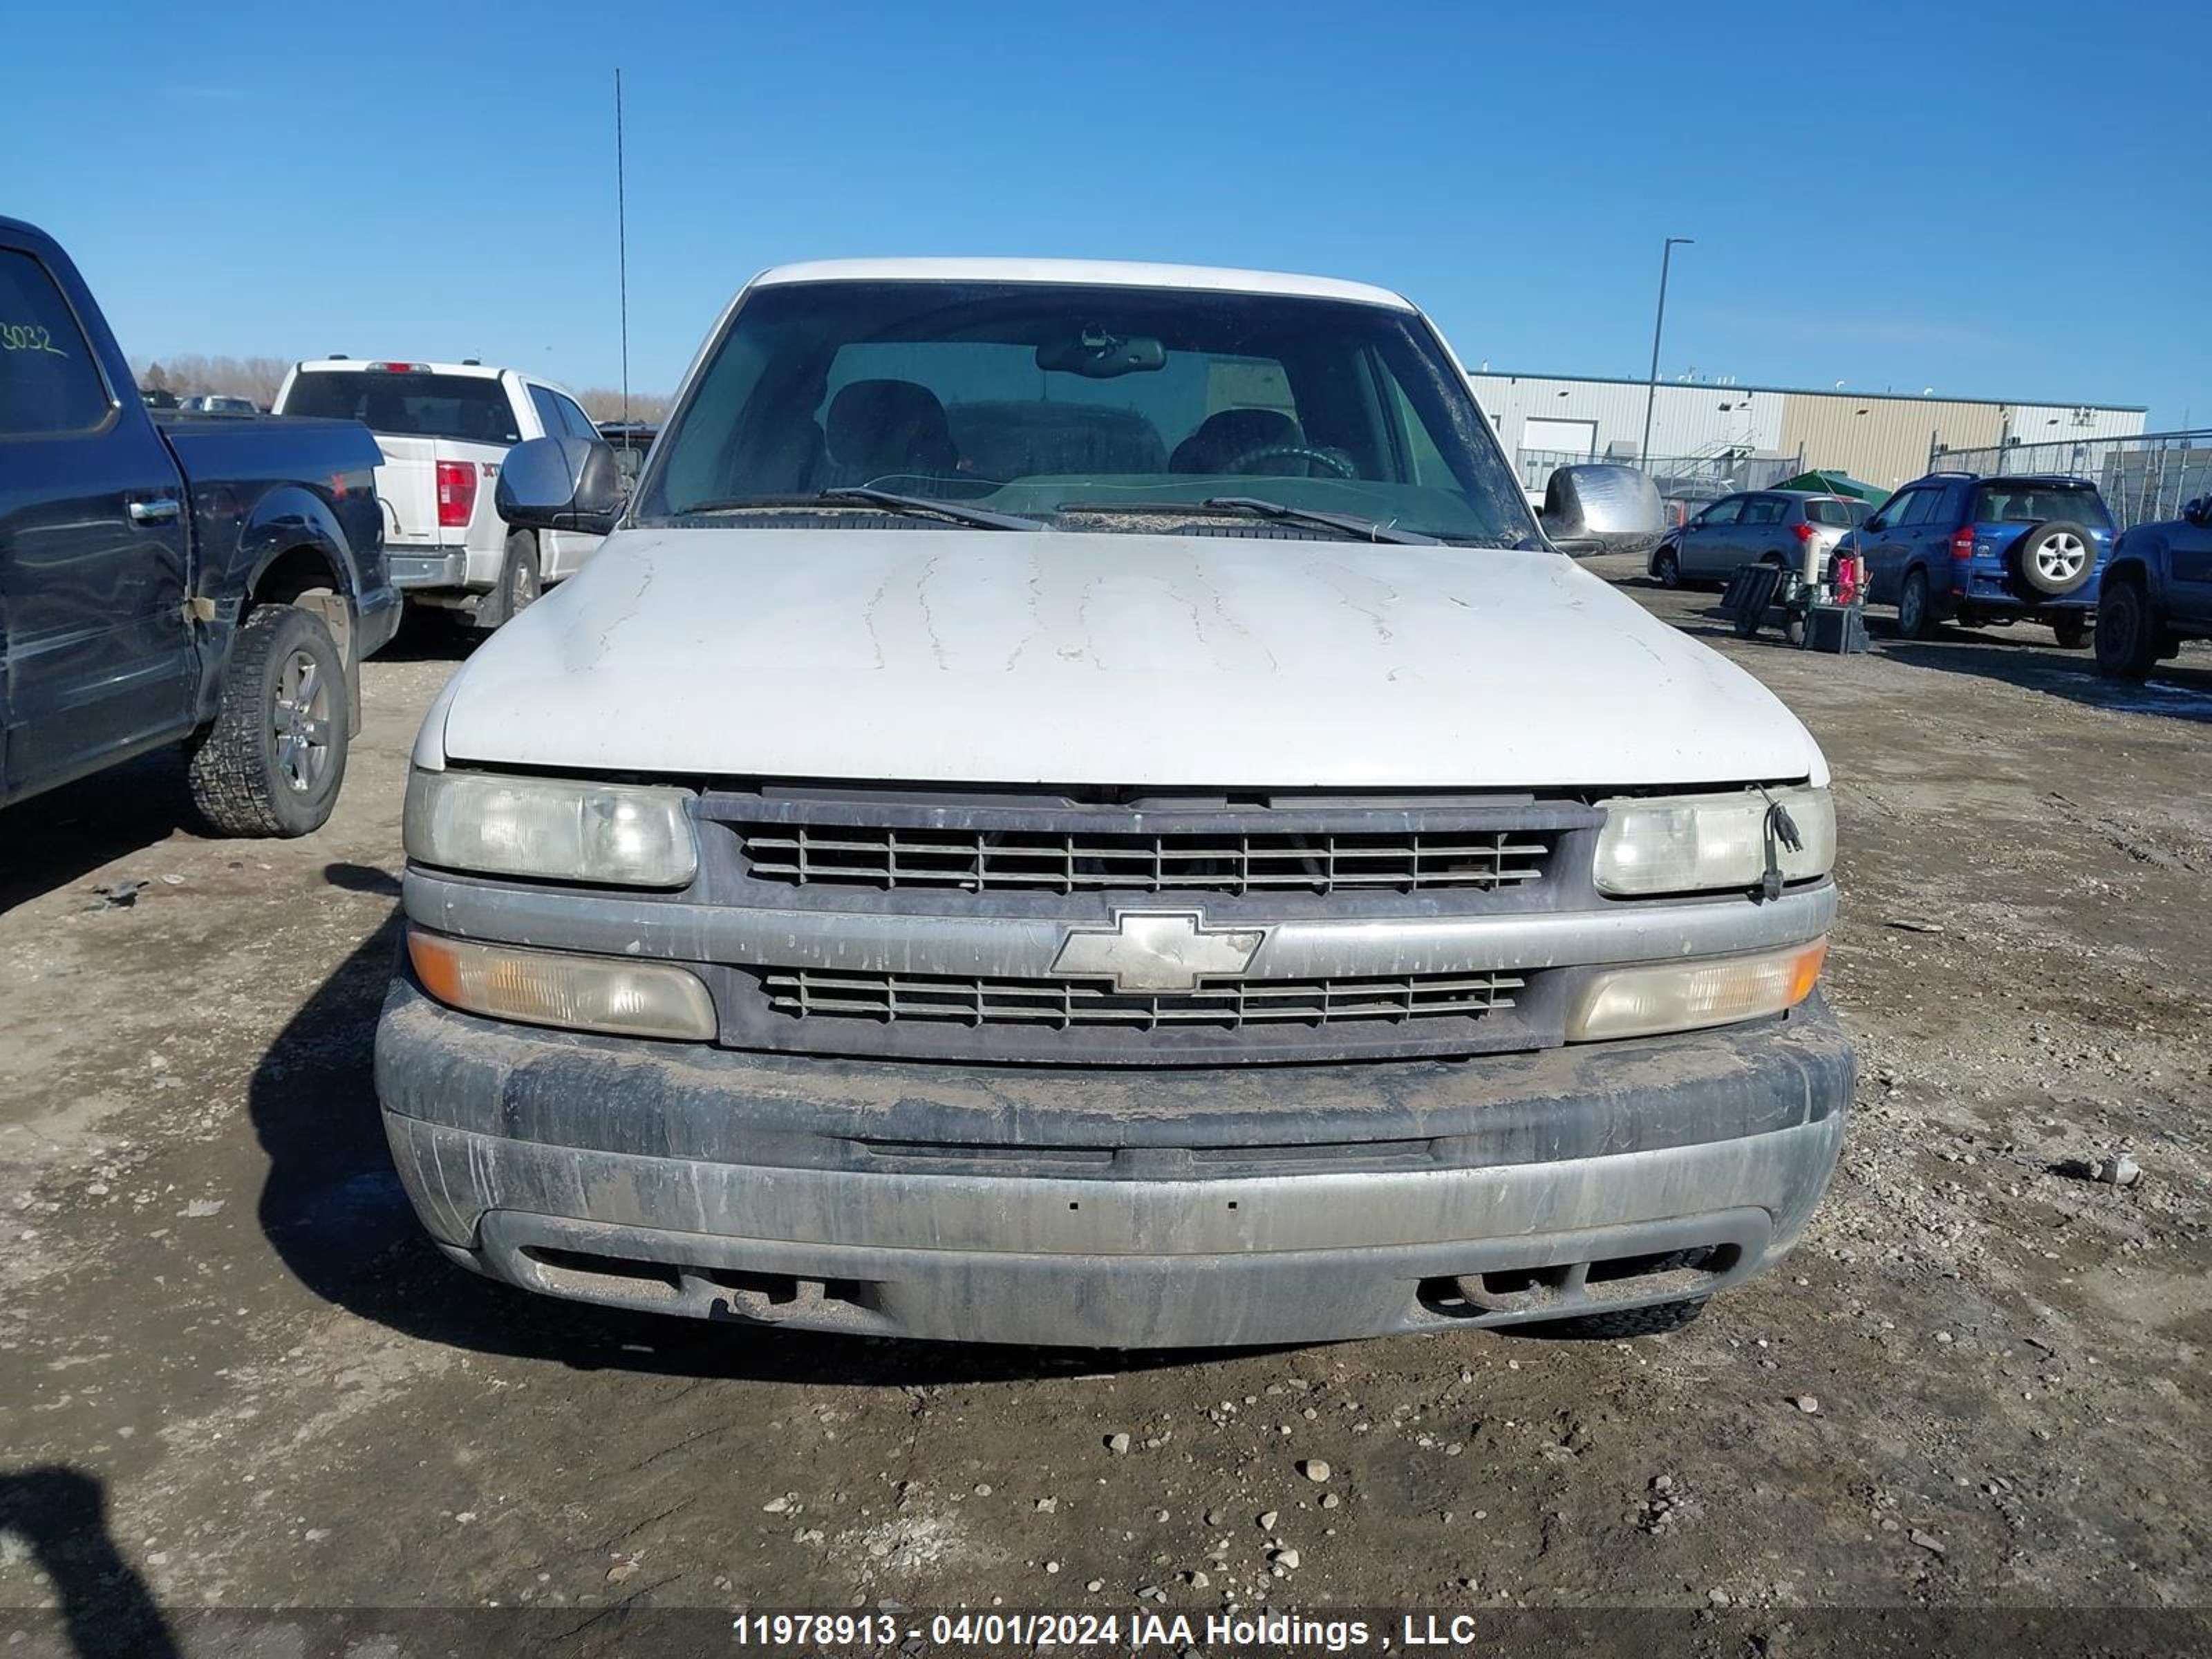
[[232, 1374]]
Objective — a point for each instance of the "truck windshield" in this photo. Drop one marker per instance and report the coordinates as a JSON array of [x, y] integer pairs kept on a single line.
[[1087, 406], [473, 408]]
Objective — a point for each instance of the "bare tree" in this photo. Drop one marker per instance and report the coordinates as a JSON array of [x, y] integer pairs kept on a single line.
[[189, 373], [602, 403]]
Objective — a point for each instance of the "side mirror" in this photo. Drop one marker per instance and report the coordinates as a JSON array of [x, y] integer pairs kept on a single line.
[[2198, 511], [1874, 523], [560, 483], [1602, 510]]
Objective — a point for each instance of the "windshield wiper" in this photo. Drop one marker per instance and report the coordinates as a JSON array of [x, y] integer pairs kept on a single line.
[[1345, 524], [1368, 530], [979, 518]]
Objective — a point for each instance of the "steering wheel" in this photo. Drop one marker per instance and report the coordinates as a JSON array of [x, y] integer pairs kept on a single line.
[[1334, 460]]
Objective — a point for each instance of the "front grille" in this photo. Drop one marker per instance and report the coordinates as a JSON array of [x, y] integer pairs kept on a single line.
[[1062, 1004], [985, 860], [918, 921]]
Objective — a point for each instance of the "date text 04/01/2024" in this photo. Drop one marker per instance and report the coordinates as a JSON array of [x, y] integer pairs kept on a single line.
[[1286, 1632]]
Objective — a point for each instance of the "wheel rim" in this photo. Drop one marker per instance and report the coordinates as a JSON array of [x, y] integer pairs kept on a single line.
[[2124, 619], [1670, 570], [1910, 607], [2062, 558], [301, 723]]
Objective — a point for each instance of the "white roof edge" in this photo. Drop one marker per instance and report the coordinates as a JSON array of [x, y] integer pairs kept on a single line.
[[490, 371], [1104, 273]]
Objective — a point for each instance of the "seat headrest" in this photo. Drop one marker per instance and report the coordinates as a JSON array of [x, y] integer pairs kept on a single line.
[[890, 426], [1223, 436]]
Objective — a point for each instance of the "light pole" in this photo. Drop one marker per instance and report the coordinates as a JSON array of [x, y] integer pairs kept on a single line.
[[1651, 387]]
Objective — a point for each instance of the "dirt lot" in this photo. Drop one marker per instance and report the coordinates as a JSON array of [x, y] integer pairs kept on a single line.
[[232, 1373]]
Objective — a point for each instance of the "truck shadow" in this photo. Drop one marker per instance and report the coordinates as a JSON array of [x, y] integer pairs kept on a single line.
[[2181, 690], [333, 1210], [428, 636], [55, 840], [104, 1609]]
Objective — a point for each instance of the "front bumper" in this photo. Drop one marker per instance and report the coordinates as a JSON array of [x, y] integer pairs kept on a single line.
[[1117, 1208]]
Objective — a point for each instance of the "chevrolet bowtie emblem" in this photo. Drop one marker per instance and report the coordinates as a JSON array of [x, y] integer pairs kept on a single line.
[[1156, 951]]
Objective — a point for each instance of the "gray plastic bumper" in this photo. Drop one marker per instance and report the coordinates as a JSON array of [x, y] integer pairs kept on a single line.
[[1125, 1210]]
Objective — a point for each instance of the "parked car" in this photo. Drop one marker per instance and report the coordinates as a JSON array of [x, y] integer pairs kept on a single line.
[[212, 582], [1983, 551], [1796, 529], [1020, 702], [216, 402], [2157, 593], [445, 429]]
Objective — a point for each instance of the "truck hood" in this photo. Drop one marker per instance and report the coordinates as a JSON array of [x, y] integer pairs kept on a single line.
[[1003, 657]]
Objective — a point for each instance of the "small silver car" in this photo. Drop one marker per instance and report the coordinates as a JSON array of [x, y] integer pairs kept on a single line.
[[1796, 529]]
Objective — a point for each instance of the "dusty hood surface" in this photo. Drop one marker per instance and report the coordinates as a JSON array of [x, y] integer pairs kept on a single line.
[[995, 657]]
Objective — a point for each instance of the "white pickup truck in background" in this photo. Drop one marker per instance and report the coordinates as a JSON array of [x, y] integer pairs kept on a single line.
[[445, 429]]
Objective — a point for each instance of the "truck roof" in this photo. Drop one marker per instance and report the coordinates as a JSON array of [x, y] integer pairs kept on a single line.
[[417, 365], [1097, 273]]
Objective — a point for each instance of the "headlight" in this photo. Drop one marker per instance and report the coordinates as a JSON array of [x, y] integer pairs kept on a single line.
[[1706, 843], [560, 828], [1687, 996], [578, 993]]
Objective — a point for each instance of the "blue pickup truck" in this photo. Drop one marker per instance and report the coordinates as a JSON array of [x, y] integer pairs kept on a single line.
[[2158, 593], [214, 582]]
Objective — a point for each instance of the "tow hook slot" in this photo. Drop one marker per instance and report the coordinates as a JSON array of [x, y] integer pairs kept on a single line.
[[1580, 1286], [768, 1297]]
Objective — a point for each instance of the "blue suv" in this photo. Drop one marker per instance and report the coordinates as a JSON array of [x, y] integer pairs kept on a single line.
[[1956, 547]]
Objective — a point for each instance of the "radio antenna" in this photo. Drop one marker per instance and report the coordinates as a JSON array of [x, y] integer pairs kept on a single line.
[[621, 246]]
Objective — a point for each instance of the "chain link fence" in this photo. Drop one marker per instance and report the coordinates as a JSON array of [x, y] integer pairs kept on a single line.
[[1680, 478], [2147, 476]]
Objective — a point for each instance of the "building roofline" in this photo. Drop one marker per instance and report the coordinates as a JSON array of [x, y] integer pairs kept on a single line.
[[1820, 391]]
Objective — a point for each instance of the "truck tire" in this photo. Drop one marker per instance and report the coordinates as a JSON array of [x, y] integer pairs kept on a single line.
[[2055, 558], [1619, 1323], [1915, 615], [2072, 628], [520, 582], [272, 761], [2127, 633]]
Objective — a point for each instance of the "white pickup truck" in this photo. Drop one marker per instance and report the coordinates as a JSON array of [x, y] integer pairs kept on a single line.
[[1079, 804], [445, 429]]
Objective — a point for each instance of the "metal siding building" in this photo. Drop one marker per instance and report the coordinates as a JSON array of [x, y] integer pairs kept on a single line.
[[1880, 437]]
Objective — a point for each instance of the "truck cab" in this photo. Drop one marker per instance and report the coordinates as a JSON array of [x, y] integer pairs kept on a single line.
[[214, 582], [445, 429], [1079, 804], [2158, 593]]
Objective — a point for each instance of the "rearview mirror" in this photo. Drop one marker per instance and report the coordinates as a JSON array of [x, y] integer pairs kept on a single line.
[[1099, 355], [1602, 510], [560, 483]]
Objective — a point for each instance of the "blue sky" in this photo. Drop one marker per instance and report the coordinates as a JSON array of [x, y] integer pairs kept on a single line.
[[1993, 199]]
